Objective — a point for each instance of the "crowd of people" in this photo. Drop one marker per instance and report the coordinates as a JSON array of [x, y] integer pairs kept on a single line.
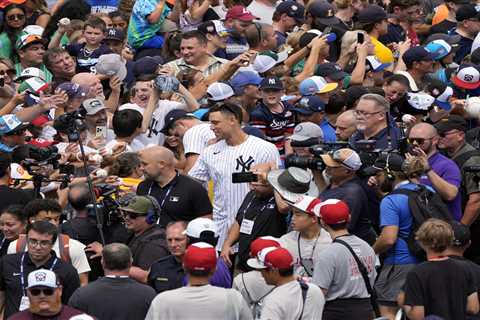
[[249, 159]]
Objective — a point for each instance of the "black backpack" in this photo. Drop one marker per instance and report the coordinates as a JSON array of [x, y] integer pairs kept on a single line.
[[424, 204]]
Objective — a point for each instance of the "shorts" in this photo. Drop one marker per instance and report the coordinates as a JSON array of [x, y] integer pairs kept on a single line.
[[390, 282], [348, 309]]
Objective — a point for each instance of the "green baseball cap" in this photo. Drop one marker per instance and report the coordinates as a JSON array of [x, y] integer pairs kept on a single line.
[[139, 204]]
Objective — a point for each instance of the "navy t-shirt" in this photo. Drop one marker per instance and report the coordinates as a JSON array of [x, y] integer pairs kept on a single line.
[[86, 60]]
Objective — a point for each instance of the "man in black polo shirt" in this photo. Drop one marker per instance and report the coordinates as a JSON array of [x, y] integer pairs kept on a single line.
[[14, 268], [179, 197], [259, 215]]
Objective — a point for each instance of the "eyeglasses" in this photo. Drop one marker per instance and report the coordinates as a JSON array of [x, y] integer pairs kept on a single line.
[[46, 291], [419, 141], [40, 243], [16, 17], [364, 113]]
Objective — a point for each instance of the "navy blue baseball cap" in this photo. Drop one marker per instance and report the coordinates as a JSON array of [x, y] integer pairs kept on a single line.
[[416, 54], [293, 9], [308, 105], [271, 83]]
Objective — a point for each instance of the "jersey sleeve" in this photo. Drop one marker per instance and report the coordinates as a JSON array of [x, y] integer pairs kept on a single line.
[[193, 142], [200, 169], [78, 256]]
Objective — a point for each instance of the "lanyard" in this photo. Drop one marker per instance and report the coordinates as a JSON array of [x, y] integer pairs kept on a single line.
[[250, 203], [311, 256], [1, 243], [162, 203], [22, 278]]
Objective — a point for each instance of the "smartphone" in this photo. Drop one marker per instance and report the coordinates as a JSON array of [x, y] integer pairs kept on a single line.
[[360, 38], [243, 177], [101, 131]]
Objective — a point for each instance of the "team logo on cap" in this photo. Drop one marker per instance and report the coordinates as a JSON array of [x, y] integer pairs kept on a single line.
[[467, 77], [330, 13], [294, 8], [111, 32], [304, 102], [40, 276], [271, 81]]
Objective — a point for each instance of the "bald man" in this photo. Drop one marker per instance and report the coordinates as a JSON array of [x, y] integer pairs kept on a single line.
[[179, 196], [345, 125], [89, 80], [442, 173]]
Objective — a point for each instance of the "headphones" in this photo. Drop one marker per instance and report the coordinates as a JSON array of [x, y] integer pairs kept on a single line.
[[389, 173], [153, 214]]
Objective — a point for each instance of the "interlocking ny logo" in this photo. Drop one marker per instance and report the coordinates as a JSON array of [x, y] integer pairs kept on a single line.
[[468, 77], [244, 165]]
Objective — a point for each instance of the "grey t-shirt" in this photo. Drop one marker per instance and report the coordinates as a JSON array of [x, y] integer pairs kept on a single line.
[[338, 273], [285, 302], [309, 250], [198, 303]]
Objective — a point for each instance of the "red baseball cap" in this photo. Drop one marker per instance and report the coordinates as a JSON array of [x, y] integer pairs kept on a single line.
[[240, 13], [334, 211], [200, 256], [273, 258], [309, 205], [261, 243]]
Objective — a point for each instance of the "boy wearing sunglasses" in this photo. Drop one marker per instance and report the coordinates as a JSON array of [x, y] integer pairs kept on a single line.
[[45, 295]]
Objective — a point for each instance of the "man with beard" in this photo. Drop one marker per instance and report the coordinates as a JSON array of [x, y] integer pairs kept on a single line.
[[180, 197], [238, 19], [396, 223], [44, 293], [442, 173]]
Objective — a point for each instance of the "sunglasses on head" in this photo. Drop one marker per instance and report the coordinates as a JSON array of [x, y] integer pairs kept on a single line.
[[37, 291]]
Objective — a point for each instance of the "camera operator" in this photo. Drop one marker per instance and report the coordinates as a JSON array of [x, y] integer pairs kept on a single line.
[[66, 248], [441, 172], [8, 195], [341, 168], [371, 114]]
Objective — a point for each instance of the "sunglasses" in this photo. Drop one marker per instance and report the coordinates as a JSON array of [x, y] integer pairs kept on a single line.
[[130, 215], [419, 141], [46, 291], [16, 17]]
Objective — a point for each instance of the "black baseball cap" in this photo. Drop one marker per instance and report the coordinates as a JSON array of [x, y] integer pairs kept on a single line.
[[466, 12], [331, 70], [115, 34], [353, 94], [461, 234], [452, 122], [372, 14], [292, 9], [390, 161], [271, 83], [415, 54], [173, 116], [323, 11], [146, 65]]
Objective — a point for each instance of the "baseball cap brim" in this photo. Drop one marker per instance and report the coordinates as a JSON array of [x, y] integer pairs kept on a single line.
[[328, 160], [465, 85], [299, 137], [255, 264], [272, 178], [328, 21], [444, 105], [303, 111], [328, 87], [337, 76], [131, 210]]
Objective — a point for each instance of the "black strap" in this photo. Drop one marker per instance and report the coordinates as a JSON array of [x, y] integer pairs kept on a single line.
[[364, 272], [304, 288], [250, 296]]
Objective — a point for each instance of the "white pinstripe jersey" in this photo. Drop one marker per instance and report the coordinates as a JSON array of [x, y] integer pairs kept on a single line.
[[218, 162], [196, 138]]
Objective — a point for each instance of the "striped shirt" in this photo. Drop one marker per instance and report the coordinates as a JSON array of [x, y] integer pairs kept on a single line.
[[197, 137], [275, 126], [214, 64], [218, 162]]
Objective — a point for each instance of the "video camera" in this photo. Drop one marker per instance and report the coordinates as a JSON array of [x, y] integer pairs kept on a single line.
[[107, 203], [69, 124], [316, 149]]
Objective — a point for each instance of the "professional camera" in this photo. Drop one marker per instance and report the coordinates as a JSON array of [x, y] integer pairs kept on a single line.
[[304, 162], [70, 123], [107, 204], [316, 149], [34, 158]]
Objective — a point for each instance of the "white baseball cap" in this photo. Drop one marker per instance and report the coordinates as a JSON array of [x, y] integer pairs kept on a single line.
[[420, 100], [42, 278], [219, 91], [199, 225], [131, 106]]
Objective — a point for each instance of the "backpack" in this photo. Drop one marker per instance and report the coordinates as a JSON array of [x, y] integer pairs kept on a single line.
[[423, 204], [460, 161], [63, 243]]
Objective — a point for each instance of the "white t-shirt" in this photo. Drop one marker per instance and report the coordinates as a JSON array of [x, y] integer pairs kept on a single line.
[[153, 136], [290, 241], [198, 303], [76, 249], [285, 302], [252, 287], [133, 146], [218, 162], [261, 11], [196, 139]]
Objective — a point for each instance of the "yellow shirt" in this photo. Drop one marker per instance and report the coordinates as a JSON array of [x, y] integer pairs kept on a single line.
[[383, 53]]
